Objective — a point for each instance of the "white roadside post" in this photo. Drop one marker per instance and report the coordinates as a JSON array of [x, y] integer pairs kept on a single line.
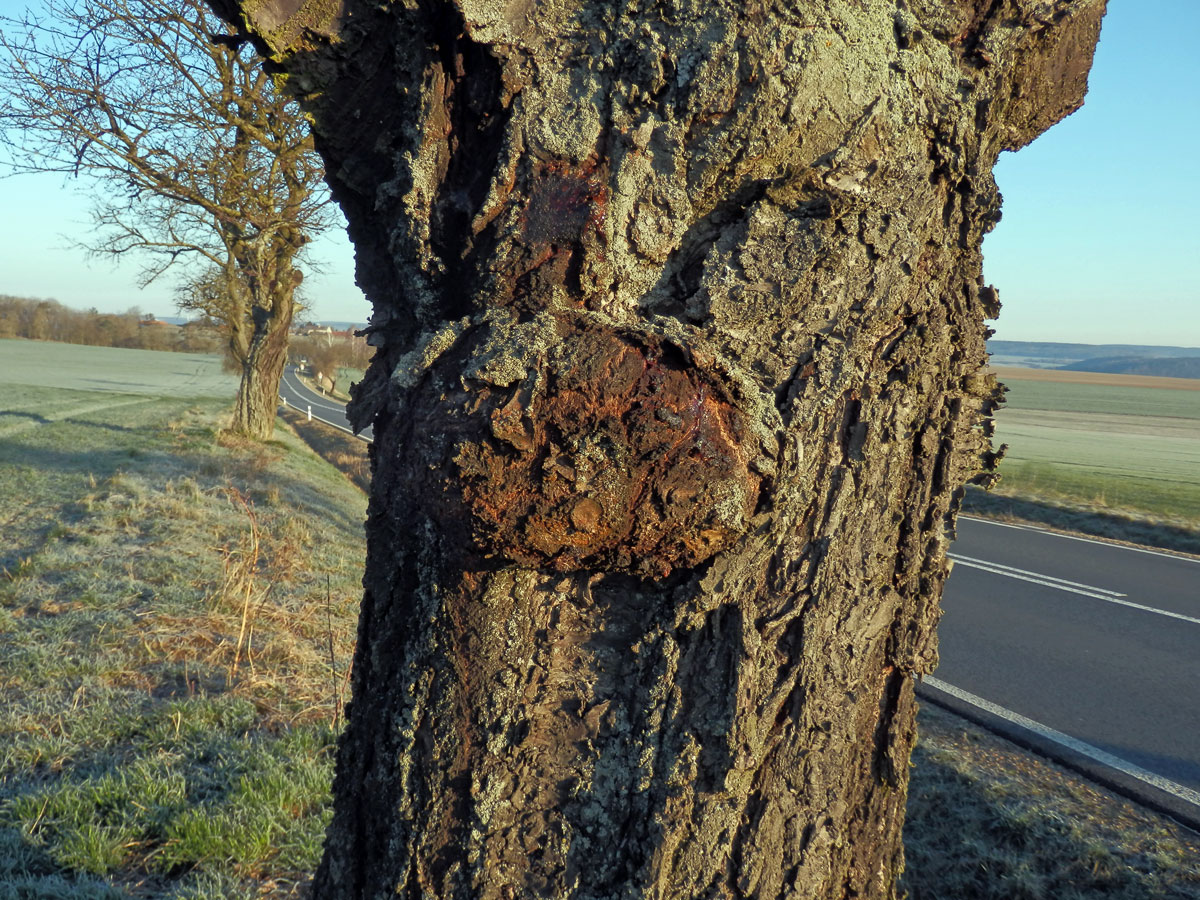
[[310, 413]]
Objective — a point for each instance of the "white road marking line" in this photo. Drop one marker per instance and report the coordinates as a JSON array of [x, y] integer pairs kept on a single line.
[[313, 397], [300, 401], [1086, 540], [1063, 585], [1060, 584], [1037, 577], [1065, 740], [999, 524]]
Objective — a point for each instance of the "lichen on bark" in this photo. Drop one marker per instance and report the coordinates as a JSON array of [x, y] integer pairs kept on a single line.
[[681, 371]]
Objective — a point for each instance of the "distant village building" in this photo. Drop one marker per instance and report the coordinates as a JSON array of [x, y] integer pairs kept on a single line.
[[310, 329], [329, 334]]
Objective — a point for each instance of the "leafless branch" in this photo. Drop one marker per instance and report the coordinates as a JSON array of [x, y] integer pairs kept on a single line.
[[192, 155]]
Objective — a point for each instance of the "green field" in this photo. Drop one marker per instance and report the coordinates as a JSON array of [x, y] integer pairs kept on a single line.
[[176, 621], [1117, 448], [346, 378]]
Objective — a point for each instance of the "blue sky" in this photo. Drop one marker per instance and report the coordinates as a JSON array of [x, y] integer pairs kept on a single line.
[[41, 212], [1100, 240]]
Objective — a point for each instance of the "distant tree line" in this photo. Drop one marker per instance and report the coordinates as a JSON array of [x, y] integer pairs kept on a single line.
[[49, 320]]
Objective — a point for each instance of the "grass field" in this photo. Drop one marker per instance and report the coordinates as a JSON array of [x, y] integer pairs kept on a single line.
[[109, 369], [346, 378], [989, 821], [1103, 443], [176, 621]]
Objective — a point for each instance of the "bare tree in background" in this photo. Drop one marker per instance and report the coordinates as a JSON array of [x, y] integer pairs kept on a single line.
[[194, 158]]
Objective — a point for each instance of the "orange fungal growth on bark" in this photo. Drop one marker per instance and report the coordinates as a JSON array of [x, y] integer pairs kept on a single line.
[[629, 459]]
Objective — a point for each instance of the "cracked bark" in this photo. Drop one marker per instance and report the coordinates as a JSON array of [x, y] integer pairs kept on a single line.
[[680, 374]]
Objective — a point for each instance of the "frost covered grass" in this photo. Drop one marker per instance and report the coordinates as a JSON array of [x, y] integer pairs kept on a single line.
[[989, 821], [169, 705], [176, 623], [111, 369]]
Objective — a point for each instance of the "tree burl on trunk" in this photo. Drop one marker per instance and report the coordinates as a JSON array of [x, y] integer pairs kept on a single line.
[[680, 373]]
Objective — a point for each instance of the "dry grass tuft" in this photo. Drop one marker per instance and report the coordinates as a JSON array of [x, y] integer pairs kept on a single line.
[[177, 615]]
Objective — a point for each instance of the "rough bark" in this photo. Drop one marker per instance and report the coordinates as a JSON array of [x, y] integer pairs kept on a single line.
[[681, 371], [260, 345], [254, 296]]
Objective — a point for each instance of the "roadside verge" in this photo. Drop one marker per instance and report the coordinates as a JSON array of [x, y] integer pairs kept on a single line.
[[1118, 775]]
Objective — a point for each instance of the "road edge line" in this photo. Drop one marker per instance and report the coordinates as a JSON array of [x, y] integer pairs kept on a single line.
[[1087, 539], [1042, 740], [1012, 571], [324, 421]]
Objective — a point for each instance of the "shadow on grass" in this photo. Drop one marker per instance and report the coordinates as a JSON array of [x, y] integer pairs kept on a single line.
[[107, 426], [242, 466], [987, 821], [99, 462], [37, 418], [55, 464], [1098, 523], [344, 451]]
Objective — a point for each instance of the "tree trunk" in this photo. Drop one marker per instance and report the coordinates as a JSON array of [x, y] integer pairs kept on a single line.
[[262, 363], [680, 374]]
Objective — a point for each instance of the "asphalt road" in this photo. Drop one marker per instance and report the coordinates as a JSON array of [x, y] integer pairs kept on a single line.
[[1094, 640], [328, 410]]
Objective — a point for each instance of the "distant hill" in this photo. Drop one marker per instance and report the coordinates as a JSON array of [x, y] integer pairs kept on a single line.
[[1120, 359], [1049, 355], [1166, 367]]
